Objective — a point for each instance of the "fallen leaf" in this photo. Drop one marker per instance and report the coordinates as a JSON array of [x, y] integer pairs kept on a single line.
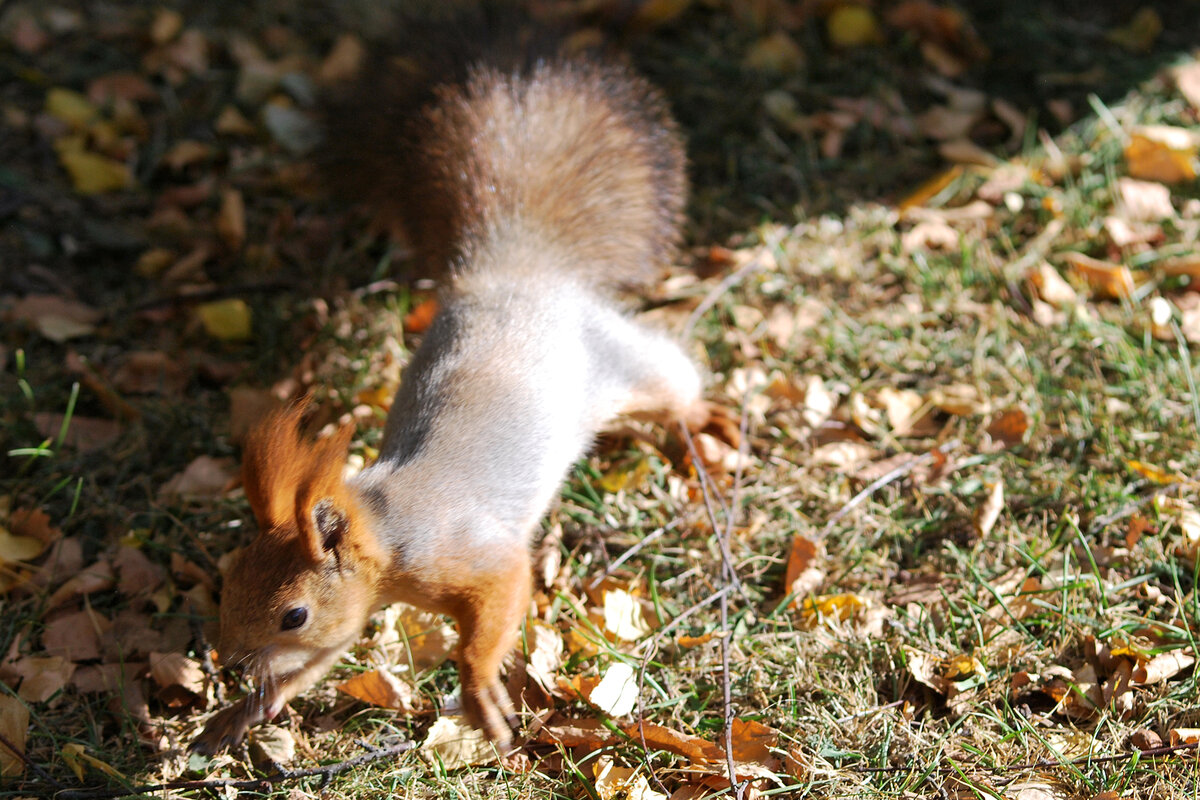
[[70, 107], [752, 742], [622, 783], [1178, 736], [617, 692], [959, 399], [96, 577], [776, 53], [805, 573], [231, 219], [19, 548], [1162, 667], [1140, 33], [1106, 279], [903, 408], [572, 733], [74, 636], [204, 477], [150, 372], [623, 616], [456, 744], [120, 86], [166, 25], [989, 510], [1009, 427], [931, 188], [421, 316], [1187, 81], [1144, 739], [271, 745], [84, 434], [1152, 473], [76, 756], [228, 320], [176, 669], [838, 607], [1145, 201], [90, 172], [842, 455], [545, 656], [424, 638], [380, 688], [14, 727], [656, 737], [343, 60], [41, 677], [56, 318], [34, 523], [1051, 286], [853, 25], [1161, 153]]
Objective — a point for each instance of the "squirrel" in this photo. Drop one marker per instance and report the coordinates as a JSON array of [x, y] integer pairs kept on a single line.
[[538, 191]]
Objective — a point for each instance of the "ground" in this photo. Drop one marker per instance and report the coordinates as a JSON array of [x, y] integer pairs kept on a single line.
[[939, 269]]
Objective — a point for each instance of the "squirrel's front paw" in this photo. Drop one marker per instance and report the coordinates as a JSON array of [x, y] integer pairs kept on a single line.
[[490, 709], [226, 729]]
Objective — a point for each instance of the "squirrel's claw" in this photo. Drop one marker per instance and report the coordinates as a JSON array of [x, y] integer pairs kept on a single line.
[[225, 729]]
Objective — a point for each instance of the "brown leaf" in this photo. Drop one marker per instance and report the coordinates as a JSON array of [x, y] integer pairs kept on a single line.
[[41, 678], [1162, 667], [84, 434], [343, 61], [74, 636], [421, 316], [14, 726], [656, 737], [204, 477], [120, 86], [752, 742], [95, 578], [805, 573], [1144, 739], [34, 523], [572, 733], [186, 152], [231, 219], [56, 318], [1009, 427], [176, 669], [106, 678], [151, 372], [136, 574]]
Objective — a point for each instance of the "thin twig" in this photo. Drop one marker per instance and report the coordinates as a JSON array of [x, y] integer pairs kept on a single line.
[[728, 282], [632, 551], [324, 772], [29, 763], [877, 484], [1153, 752]]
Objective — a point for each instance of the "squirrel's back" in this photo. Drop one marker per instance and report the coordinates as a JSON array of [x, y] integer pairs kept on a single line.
[[576, 154]]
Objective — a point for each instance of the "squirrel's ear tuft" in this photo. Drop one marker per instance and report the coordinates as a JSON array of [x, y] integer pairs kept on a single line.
[[330, 523], [273, 466]]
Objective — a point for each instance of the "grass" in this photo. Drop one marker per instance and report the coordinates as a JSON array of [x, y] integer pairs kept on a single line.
[[905, 684]]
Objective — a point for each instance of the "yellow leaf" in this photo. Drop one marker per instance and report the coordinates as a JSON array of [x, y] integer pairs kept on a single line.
[[853, 25], [91, 173], [931, 188], [18, 548], [831, 606], [227, 320], [1106, 279], [622, 783], [1140, 34], [656, 12], [70, 107], [625, 475], [1161, 153], [379, 688], [1152, 473], [76, 757], [777, 53]]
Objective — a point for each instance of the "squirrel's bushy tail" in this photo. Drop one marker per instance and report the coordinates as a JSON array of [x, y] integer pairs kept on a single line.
[[576, 154]]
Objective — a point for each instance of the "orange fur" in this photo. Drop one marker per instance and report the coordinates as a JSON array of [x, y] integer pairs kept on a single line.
[[285, 475]]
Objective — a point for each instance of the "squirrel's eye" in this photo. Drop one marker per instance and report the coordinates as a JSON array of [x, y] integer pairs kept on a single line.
[[295, 618]]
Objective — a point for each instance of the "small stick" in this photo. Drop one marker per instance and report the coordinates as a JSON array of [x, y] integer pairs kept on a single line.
[[895, 475], [29, 763], [255, 784]]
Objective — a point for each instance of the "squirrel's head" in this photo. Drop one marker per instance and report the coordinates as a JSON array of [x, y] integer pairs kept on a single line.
[[305, 585]]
